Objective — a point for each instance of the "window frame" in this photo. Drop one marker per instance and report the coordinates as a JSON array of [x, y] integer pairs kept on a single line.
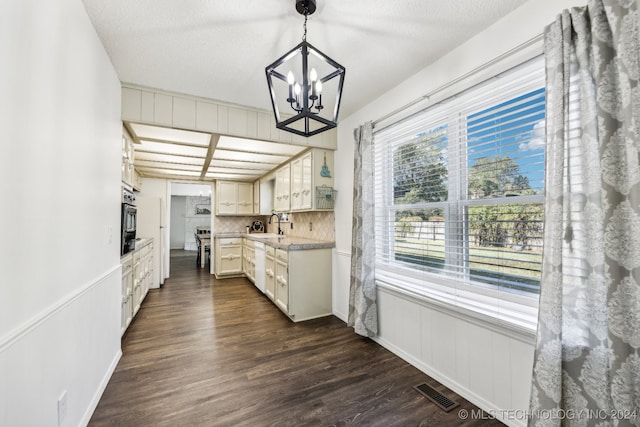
[[514, 307]]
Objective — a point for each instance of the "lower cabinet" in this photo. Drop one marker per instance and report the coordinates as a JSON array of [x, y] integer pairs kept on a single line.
[[301, 282], [249, 260], [270, 273], [228, 256], [137, 274], [282, 279], [127, 291]]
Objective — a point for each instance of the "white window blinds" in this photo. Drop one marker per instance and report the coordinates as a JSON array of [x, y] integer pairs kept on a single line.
[[459, 193]]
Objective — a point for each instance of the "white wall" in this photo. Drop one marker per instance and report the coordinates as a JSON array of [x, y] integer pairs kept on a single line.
[[487, 364], [178, 212], [60, 218]]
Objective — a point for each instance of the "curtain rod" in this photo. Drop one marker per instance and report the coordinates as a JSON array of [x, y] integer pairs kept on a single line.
[[457, 80]]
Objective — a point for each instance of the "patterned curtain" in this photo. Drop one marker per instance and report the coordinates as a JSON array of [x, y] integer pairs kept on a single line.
[[363, 310], [587, 359]]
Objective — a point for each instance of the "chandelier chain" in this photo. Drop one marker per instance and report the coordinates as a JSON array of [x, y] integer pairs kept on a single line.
[[304, 36]]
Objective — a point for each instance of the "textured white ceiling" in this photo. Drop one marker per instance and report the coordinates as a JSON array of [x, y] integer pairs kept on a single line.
[[218, 49]]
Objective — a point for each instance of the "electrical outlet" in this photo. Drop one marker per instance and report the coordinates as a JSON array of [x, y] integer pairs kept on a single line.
[[292, 226], [62, 407], [310, 226]]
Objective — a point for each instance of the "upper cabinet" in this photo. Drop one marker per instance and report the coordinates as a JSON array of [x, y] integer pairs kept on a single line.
[[282, 190], [256, 197], [234, 198], [312, 181], [128, 172]]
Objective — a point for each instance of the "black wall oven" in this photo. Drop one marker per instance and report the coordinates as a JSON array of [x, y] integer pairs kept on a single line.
[[128, 217]]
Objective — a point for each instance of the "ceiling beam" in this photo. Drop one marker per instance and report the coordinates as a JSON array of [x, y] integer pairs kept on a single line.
[[215, 137]]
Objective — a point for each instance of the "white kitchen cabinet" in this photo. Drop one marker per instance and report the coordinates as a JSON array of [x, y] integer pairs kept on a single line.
[[137, 275], [312, 170], [144, 273], [226, 198], [301, 183], [228, 256], [256, 197], [270, 273], [137, 181], [282, 202], [128, 172], [300, 281], [249, 260], [127, 290], [282, 280], [234, 198], [245, 198]]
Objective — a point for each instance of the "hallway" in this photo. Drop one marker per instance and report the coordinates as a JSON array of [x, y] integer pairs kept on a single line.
[[207, 352]]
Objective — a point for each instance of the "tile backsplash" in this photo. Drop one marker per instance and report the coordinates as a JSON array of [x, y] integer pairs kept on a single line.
[[234, 224], [321, 224]]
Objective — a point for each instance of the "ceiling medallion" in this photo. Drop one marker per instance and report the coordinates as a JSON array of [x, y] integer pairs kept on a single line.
[[305, 85]]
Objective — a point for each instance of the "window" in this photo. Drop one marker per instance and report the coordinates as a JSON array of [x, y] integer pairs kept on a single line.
[[459, 197]]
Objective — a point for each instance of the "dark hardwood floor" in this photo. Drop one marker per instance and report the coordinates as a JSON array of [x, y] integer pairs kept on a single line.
[[207, 352]]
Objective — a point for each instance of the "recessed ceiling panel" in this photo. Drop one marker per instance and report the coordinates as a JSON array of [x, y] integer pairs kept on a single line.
[[168, 158], [162, 165], [249, 157], [167, 134], [230, 176], [256, 146], [251, 172], [157, 171], [173, 153], [162, 147], [266, 167]]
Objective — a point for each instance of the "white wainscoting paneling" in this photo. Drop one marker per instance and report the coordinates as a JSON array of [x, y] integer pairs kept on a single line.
[[73, 346], [340, 290], [490, 368]]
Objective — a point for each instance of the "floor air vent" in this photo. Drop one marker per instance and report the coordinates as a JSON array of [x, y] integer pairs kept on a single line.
[[436, 397]]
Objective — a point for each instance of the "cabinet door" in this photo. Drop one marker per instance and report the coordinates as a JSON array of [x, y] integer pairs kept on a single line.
[[226, 198], [245, 198], [306, 192], [256, 197], [230, 260], [127, 289], [282, 281], [286, 179], [270, 274], [282, 190], [296, 185]]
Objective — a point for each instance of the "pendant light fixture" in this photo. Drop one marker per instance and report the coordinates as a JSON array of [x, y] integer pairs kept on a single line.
[[305, 85]]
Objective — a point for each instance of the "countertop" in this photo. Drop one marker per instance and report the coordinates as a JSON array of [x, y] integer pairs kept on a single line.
[[291, 243], [140, 243]]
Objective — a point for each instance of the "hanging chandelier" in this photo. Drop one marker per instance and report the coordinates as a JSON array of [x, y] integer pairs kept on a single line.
[[305, 85]]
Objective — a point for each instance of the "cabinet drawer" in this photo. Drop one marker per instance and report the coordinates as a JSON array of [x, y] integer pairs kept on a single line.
[[230, 241], [282, 256], [270, 251]]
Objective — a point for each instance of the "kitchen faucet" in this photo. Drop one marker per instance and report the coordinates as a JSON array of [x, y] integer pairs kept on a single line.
[[277, 216]]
